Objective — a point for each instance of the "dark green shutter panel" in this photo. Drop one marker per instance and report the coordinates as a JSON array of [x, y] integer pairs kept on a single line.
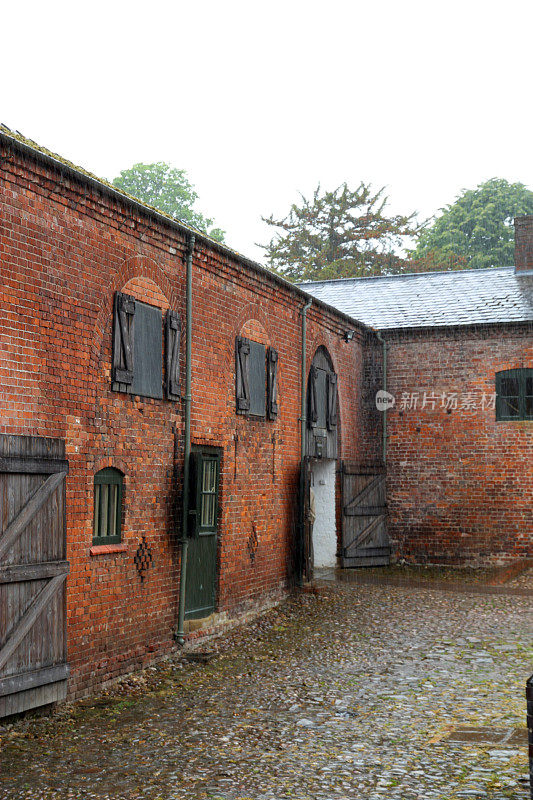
[[508, 400], [272, 383], [194, 493], [123, 341], [173, 341], [242, 381], [312, 411], [528, 394], [332, 400]]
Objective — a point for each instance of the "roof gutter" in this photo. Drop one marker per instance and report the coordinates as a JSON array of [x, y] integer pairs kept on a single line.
[[301, 568]]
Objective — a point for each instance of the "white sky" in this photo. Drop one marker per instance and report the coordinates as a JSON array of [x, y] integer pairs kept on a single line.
[[261, 101]]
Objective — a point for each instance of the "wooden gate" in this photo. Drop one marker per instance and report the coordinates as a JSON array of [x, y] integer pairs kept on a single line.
[[33, 572], [365, 542]]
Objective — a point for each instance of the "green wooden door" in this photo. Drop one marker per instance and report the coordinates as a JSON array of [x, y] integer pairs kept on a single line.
[[200, 590]]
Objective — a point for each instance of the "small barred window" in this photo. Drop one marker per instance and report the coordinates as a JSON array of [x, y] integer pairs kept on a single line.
[[514, 394], [108, 489]]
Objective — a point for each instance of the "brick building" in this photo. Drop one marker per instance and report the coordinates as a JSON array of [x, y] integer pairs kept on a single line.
[[94, 438], [93, 314], [459, 448]]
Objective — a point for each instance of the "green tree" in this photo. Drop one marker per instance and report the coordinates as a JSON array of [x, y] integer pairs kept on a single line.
[[169, 190], [475, 231], [337, 234]]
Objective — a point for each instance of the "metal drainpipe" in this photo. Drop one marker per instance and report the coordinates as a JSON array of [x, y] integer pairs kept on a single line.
[[303, 421], [180, 636], [384, 343]]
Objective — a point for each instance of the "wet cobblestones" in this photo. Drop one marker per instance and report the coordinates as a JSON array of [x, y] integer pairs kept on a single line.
[[348, 694]]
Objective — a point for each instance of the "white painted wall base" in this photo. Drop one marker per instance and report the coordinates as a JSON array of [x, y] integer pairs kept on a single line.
[[324, 531]]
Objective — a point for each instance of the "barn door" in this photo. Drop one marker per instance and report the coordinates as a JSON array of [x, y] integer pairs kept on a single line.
[[365, 542], [33, 571]]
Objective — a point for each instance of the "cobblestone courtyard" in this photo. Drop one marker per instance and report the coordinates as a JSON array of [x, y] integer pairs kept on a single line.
[[361, 691]]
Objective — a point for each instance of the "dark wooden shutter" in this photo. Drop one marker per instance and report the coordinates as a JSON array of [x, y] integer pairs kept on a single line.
[[272, 383], [173, 340], [312, 409], [33, 572], [257, 379], [123, 340], [148, 351], [332, 400], [242, 379]]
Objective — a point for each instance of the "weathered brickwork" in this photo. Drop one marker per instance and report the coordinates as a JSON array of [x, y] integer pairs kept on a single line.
[[65, 249], [460, 483]]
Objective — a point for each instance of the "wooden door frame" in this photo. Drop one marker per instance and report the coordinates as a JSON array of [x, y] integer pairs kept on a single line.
[[194, 533]]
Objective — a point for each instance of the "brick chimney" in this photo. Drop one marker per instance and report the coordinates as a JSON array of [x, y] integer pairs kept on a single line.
[[523, 245]]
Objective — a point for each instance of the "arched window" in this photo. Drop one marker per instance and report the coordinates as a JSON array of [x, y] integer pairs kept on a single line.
[[322, 399], [108, 485], [514, 394]]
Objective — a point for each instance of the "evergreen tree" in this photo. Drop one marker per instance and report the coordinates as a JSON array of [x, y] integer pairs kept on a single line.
[[337, 234]]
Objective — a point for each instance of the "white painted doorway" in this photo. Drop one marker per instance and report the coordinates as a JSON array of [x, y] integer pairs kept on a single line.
[[324, 528]]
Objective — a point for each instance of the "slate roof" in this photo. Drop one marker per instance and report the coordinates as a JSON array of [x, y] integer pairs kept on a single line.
[[431, 299]]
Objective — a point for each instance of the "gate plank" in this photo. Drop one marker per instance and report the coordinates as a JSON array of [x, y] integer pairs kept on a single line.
[[36, 502], [37, 677], [34, 466], [365, 511], [364, 535], [32, 698], [29, 617], [15, 573], [363, 493]]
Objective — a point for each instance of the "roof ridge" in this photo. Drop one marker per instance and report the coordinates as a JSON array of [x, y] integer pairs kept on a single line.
[[404, 275]]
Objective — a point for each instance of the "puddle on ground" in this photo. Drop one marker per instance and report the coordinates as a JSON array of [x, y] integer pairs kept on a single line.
[[416, 580], [506, 737]]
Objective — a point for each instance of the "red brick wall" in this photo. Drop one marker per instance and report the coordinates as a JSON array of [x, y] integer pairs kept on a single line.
[[523, 252], [64, 250], [460, 484]]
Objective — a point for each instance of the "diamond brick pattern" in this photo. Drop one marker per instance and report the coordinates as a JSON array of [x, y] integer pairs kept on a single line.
[[143, 558]]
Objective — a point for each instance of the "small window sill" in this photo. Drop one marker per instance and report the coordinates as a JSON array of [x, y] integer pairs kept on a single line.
[[103, 549], [515, 420]]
